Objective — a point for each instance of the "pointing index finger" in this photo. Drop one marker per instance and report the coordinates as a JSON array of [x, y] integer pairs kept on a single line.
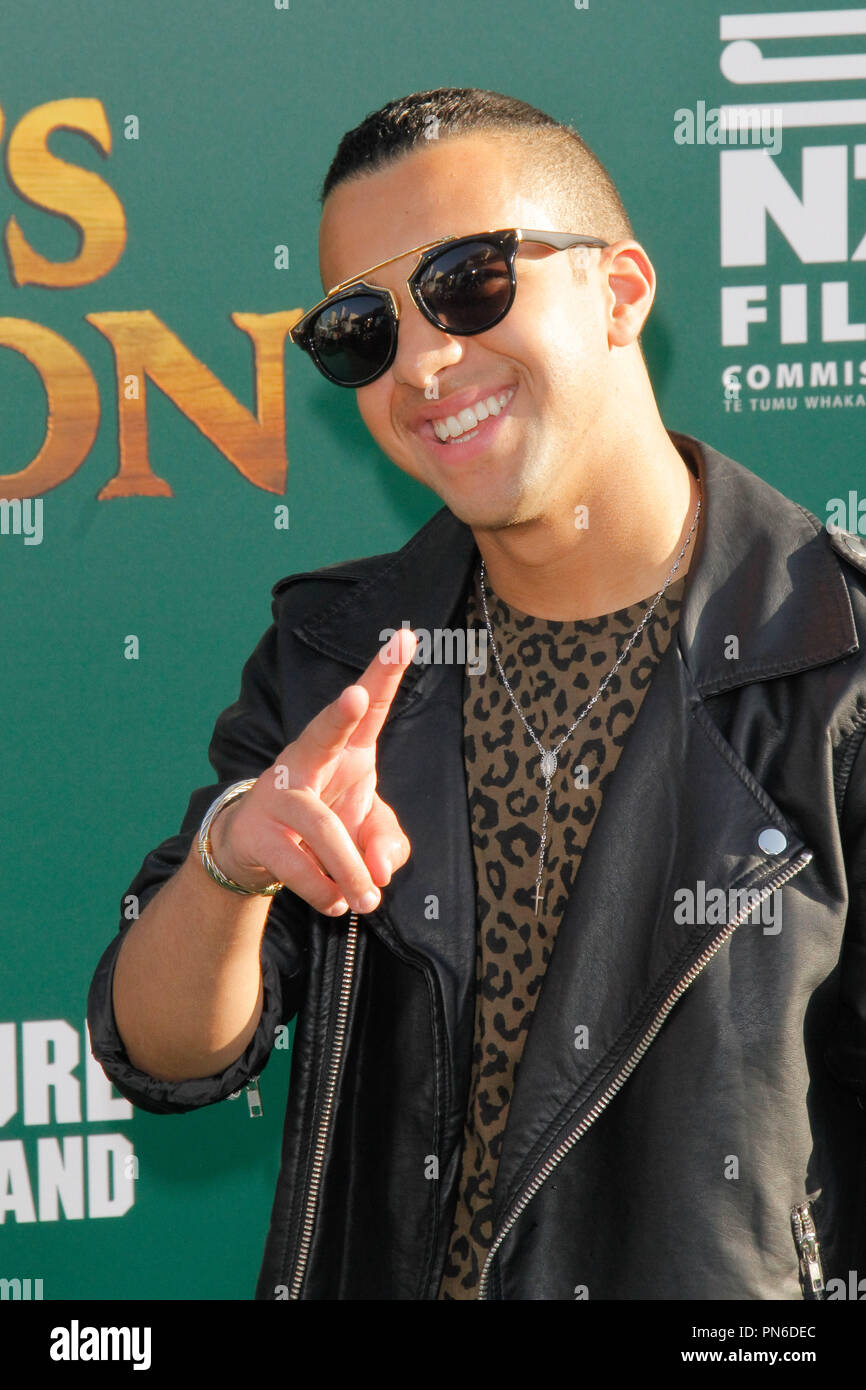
[[381, 681]]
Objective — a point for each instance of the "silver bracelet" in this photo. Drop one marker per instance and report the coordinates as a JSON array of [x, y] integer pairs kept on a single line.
[[204, 846]]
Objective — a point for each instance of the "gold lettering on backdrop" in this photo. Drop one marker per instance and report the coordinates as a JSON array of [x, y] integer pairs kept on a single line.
[[255, 444], [78, 195], [73, 407], [144, 347]]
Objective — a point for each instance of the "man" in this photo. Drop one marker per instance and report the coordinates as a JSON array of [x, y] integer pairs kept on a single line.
[[595, 1024]]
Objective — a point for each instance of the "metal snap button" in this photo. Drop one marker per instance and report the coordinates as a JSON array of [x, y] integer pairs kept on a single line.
[[856, 544], [772, 841]]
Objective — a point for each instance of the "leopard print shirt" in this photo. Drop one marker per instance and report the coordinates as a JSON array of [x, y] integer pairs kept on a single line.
[[553, 669]]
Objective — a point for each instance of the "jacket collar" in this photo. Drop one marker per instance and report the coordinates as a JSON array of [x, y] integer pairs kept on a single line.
[[763, 572]]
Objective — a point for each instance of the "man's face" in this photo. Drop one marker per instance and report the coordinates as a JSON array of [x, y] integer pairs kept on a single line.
[[550, 357]]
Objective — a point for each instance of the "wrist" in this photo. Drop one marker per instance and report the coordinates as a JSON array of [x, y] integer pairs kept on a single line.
[[251, 876], [214, 848]]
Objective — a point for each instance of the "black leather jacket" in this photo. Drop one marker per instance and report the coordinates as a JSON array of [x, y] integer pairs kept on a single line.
[[725, 1073]]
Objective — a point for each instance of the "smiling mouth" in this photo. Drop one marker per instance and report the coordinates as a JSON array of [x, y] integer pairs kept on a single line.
[[464, 425]]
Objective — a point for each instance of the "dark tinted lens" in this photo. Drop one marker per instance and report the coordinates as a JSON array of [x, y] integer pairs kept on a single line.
[[352, 337], [466, 287]]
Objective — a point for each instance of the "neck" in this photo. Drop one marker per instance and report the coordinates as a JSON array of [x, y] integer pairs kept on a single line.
[[629, 538]]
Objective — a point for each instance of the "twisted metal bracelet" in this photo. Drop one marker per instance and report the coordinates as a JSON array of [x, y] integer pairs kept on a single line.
[[231, 794]]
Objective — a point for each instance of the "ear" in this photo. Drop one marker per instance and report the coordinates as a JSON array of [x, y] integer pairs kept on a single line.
[[629, 290]]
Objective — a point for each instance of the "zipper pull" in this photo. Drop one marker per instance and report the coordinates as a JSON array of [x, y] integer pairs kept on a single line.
[[254, 1098], [808, 1250]]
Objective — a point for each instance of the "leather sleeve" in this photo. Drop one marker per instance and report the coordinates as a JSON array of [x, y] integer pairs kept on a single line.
[[846, 1054], [247, 738]]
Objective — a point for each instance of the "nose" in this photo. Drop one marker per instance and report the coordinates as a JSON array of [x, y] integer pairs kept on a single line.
[[422, 348]]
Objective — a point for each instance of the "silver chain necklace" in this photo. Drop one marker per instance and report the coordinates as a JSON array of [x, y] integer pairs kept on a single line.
[[549, 759]]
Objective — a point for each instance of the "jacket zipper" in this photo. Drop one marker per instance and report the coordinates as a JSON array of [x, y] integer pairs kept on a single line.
[[254, 1096], [312, 1201], [808, 1250], [619, 1080]]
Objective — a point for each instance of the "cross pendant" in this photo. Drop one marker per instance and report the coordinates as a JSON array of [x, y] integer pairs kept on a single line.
[[539, 895]]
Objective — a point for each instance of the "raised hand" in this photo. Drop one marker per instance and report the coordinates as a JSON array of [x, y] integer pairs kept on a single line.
[[314, 820]]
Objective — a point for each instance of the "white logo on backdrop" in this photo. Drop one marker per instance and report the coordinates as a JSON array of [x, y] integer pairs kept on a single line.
[[823, 311]]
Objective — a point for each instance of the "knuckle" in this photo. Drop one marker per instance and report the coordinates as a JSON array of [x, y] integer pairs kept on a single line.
[[321, 819], [324, 899]]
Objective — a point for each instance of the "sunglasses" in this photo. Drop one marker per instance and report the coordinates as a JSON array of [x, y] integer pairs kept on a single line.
[[463, 285]]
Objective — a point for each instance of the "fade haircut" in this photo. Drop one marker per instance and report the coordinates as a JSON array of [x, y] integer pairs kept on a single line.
[[555, 161]]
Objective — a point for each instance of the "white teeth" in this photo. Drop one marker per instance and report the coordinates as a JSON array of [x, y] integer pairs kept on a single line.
[[468, 419]]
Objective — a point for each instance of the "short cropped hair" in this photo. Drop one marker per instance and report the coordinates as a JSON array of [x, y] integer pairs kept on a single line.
[[556, 161]]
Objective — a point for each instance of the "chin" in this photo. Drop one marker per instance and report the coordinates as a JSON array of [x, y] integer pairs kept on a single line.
[[482, 515], [474, 505]]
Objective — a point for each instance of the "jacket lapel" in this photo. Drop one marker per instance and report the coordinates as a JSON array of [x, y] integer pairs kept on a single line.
[[681, 811]]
